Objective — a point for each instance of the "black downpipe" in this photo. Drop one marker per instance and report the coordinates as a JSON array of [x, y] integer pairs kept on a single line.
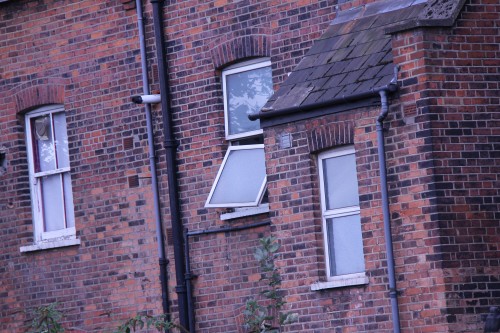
[[170, 152], [162, 261], [188, 277]]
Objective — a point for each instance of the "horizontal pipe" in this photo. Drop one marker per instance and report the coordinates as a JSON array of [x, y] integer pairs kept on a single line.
[[227, 229]]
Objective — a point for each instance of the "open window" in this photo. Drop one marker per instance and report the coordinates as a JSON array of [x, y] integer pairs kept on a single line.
[[241, 180], [49, 171]]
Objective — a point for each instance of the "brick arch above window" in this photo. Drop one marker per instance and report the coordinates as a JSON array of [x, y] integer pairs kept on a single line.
[[330, 135], [230, 49], [35, 96]]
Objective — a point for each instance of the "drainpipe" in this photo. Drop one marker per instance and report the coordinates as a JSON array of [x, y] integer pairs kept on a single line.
[[385, 210], [170, 153], [152, 164]]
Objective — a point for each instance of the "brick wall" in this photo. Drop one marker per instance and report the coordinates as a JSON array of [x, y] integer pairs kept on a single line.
[[83, 55], [442, 139], [449, 97], [294, 197], [443, 188], [203, 38]]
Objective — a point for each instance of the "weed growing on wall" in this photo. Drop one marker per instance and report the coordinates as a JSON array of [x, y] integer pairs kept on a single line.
[[265, 315], [160, 323], [46, 320]]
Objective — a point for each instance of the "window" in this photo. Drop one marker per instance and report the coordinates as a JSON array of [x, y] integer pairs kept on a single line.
[[241, 180], [49, 170], [340, 211]]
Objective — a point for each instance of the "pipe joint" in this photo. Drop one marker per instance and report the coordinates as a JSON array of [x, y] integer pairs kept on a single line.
[[180, 289]]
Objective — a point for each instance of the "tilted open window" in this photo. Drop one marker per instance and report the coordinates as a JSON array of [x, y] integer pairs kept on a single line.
[[241, 180]]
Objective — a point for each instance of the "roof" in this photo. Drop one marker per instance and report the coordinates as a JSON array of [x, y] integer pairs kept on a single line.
[[354, 56]]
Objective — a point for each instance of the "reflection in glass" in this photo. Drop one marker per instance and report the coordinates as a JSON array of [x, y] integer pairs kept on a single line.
[[61, 140], [45, 154], [247, 92]]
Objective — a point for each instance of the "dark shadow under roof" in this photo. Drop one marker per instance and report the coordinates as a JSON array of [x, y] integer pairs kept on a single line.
[[354, 55]]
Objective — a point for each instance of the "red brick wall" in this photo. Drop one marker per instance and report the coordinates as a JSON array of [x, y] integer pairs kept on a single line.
[[441, 142], [202, 38], [83, 55], [449, 100], [294, 197]]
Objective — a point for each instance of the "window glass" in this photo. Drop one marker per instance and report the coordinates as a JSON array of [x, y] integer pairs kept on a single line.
[[345, 245], [45, 158], [53, 204], [61, 140], [241, 179], [246, 94], [340, 173], [247, 87]]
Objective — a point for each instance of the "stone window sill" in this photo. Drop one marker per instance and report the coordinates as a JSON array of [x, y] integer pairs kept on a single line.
[[52, 244], [341, 281]]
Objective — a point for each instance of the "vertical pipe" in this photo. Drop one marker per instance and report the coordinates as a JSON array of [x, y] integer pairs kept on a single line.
[[385, 209], [170, 154], [188, 277], [152, 163]]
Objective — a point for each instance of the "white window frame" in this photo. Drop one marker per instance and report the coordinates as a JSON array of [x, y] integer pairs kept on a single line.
[[239, 68], [36, 190], [262, 187], [236, 142], [345, 279]]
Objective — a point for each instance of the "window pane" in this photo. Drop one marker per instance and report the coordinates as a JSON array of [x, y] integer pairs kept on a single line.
[[44, 154], [53, 209], [247, 92], [68, 200], [341, 183], [61, 140], [241, 179], [345, 245]]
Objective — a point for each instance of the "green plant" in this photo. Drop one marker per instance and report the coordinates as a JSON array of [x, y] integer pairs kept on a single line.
[[260, 318], [160, 323], [46, 320]]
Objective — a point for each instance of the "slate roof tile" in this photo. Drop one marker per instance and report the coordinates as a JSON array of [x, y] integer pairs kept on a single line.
[[353, 55], [334, 81]]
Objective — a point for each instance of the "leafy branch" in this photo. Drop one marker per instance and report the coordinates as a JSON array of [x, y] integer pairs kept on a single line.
[[161, 323], [260, 318], [46, 320]]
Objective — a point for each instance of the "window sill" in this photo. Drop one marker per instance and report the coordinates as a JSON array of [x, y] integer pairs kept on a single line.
[[341, 281], [51, 244], [242, 212]]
